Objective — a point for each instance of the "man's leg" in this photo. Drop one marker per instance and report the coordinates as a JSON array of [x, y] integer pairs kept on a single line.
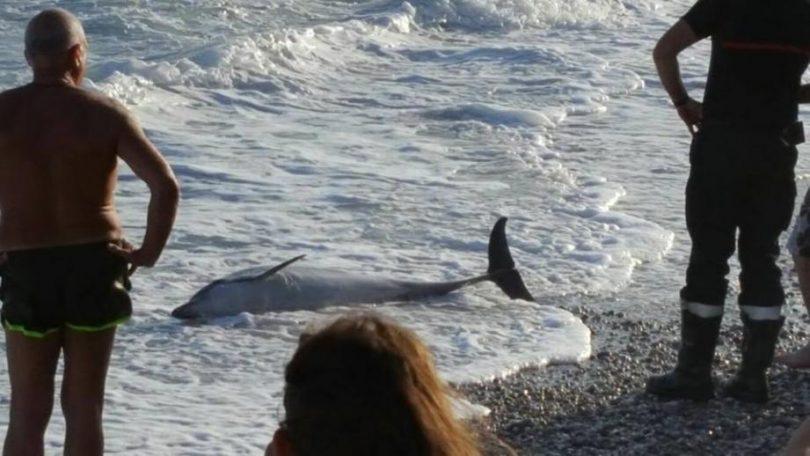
[[800, 359], [761, 290], [710, 218], [771, 192], [712, 207], [799, 246], [87, 356], [31, 367], [761, 299]]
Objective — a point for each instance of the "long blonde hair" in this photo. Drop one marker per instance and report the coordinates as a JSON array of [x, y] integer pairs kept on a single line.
[[367, 386]]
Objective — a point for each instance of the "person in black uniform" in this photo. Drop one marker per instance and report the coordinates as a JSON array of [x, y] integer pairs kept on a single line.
[[741, 180]]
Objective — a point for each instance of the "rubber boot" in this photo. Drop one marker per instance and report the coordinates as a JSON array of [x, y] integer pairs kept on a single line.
[[692, 377], [750, 384]]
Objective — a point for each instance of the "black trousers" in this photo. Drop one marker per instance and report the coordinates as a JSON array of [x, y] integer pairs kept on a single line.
[[740, 179]]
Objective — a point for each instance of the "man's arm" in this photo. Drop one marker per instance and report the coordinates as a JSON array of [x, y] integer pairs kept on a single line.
[[675, 40], [149, 165]]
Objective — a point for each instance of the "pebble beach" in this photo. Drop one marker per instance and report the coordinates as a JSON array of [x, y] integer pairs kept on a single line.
[[599, 407]]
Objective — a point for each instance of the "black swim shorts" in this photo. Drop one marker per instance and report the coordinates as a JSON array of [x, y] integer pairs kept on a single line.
[[82, 287]]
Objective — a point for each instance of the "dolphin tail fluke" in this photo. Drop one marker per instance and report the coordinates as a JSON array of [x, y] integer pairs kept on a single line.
[[512, 284], [502, 267]]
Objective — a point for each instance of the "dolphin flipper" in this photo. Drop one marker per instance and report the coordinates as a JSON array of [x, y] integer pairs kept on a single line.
[[502, 267], [275, 269]]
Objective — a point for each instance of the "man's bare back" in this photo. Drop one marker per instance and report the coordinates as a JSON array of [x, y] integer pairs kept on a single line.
[[58, 159], [63, 284]]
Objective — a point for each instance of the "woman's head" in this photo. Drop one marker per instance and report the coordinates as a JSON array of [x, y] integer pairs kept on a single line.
[[364, 385]]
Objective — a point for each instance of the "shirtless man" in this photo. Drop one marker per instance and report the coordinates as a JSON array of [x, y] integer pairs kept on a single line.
[[64, 262]]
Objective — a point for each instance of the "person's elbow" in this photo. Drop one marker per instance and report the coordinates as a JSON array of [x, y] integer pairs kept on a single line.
[[675, 40], [172, 189], [167, 189], [663, 51]]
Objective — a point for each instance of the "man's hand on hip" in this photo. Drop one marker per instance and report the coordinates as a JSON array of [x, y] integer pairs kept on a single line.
[[135, 257], [691, 112]]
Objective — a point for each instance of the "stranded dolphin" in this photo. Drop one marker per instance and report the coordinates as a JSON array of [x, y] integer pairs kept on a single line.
[[283, 289]]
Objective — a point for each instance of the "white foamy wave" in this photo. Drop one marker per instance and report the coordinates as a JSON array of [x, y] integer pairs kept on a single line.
[[593, 248], [605, 252], [219, 388], [128, 89], [492, 115], [517, 14], [269, 64], [291, 61], [401, 19], [585, 105]]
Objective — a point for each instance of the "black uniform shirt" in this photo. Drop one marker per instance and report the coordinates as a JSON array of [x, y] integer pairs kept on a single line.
[[760, 49]]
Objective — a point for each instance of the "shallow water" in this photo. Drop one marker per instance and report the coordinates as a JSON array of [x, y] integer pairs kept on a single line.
[[384, 138]]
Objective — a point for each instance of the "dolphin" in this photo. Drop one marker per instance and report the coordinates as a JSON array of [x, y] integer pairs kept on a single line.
[[285, 288]]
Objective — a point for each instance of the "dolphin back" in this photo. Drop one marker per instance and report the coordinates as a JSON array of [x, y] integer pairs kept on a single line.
[[502, 267]]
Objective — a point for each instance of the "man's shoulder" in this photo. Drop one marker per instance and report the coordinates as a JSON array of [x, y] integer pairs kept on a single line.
[[101, 107], [12, 96], [100, 101], [79, 97], [762, 20]]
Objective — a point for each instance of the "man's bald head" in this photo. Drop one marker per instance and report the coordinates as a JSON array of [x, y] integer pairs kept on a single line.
[[53, 32]]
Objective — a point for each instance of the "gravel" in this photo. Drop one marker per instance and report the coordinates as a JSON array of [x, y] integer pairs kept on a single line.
[[599, 407]]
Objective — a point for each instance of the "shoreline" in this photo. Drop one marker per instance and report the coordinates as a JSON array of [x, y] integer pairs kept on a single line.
[[599, 406]]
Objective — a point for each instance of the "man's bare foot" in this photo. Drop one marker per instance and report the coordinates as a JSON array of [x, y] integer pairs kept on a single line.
[[799, 359]]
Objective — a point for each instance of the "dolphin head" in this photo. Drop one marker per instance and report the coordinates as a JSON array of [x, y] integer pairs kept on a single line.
[[187, 311], [225, 297], [217, 299]]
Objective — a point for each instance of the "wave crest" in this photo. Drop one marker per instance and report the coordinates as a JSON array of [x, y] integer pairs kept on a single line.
[[483, 15]]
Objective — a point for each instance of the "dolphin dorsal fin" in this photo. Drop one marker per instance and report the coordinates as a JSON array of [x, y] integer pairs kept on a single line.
[[275, 269]]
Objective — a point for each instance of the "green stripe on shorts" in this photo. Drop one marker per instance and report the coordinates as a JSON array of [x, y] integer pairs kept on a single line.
[[27, 332], [103, 327]]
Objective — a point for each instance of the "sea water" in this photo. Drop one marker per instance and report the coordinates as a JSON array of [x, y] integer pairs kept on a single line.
[[382, 137]]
